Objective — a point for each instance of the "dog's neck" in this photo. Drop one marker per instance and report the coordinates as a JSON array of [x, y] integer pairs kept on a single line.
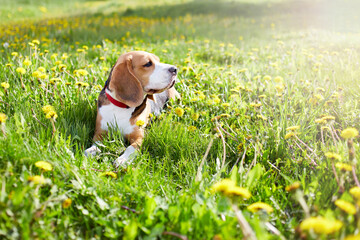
[[109, 92], [115, 101]]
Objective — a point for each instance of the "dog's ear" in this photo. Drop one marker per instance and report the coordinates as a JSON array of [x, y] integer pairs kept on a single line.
[[127, 87]]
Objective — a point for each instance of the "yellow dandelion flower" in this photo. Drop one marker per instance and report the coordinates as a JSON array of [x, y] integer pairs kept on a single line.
[[36, 179], [293, 186], [343, 166], [321, 225], [81, 84], [352, 237], [191, 128], [51, 114], [290, 135], [64, 56], [109, 174], [21, 70], [15, 54], [325, 128], [3, 118], [228, 188], [320, 121], [256, 77], [140, 123], [238, 192], [333, 156], [278, 79], [216, 99], [223, 185], [225, 105], [349, 133], [36, 74], [47, 108], [43, 9], [44, 165], [195, 116], [42, 76], [66, 203], [82, 72], [98, 87], [293, 128], [346, 206], [27, 62], [267, 78], [355, 191], [279, 88], [8, 65], [36, 41], [62, 67], [255, 105], [54, 80], [179, 111], [255, 207], [328, 118], [5, 85], [242, 70], [262, 96]]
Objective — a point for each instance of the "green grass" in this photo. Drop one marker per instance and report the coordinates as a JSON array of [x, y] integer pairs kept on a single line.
[[247, 70]]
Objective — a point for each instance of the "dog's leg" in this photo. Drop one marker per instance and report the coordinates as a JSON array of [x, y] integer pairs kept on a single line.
[[135, 138]]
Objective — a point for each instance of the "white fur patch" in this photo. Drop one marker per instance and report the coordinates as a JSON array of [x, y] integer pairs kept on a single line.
[[126, 158], [92, 151], [160, 78], [116, 117]]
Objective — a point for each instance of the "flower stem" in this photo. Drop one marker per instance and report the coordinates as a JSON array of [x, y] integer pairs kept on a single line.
[[53, 125], [244, 225], [341, 188]]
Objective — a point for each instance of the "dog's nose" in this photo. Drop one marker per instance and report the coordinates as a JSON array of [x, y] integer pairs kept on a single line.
[[173, 70]]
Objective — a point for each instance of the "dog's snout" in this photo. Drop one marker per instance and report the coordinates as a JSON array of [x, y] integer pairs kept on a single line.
[[173, 70]]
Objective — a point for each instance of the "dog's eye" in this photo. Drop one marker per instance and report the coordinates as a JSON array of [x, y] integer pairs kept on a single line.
[[149, 64]]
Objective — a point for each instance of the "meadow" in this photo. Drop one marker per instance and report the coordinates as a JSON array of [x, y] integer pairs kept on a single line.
[[263, 143]]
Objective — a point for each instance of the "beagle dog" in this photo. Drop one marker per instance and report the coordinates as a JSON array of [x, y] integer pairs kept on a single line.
[[138, 85]]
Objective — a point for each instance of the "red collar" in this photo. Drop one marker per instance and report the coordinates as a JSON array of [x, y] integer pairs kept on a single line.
[[116, 102]]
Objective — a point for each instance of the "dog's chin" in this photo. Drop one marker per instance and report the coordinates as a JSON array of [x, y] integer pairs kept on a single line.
[[155, 91]]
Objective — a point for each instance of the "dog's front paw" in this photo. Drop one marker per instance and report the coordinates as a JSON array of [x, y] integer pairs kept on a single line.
[[92, 151], [121, 162], [126, 158]]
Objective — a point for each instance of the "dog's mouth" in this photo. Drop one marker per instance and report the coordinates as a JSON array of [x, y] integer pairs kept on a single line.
[[154, 91]]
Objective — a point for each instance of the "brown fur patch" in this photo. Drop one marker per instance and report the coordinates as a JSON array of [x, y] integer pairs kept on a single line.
[[136, 137], [99, 133]]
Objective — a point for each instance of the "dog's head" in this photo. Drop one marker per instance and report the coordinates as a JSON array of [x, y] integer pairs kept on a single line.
[[138, 73]]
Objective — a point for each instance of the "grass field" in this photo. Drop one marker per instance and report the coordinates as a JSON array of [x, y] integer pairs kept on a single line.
[[263, 143]]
